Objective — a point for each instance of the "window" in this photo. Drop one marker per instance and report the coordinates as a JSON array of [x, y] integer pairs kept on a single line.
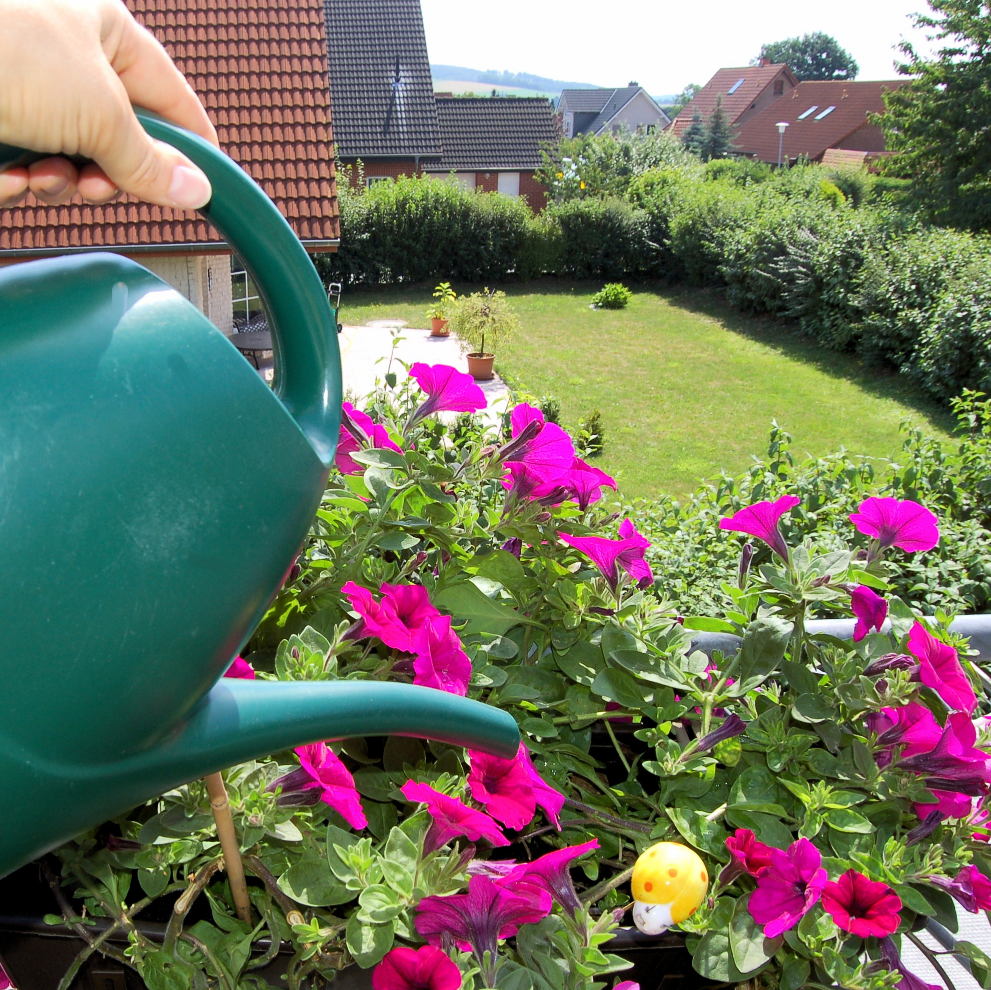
[[825, 113], [371, 180], [652, 128], [244, 294], [812, 109], [735, 87], [779, 86]]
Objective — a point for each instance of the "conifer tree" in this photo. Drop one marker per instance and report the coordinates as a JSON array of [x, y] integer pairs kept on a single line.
[[694, 136], [719, 140]]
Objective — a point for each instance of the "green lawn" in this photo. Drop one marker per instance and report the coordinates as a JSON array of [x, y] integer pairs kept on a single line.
[[686, 386]]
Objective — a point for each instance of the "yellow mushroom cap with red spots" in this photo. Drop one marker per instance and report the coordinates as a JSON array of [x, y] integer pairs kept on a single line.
[[670, 873]]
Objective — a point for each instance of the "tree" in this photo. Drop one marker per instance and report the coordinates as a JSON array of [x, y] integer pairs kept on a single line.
[[813, 56], [937, 122], [719, 140], [684, 98], [694, 136]]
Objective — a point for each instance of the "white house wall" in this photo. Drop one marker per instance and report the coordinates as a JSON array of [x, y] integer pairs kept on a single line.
[[205, 280], [639, 112]]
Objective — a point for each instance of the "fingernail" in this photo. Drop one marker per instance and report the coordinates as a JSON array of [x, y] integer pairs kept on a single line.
[[190, 188], [55, 186]]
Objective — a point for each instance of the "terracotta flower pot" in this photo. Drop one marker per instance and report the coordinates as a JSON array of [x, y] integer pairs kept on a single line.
[[438, 327], [480, 366]]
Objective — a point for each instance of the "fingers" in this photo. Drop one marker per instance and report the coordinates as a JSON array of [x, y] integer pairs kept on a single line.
[[13, 186], [152, 80], [53, 180]]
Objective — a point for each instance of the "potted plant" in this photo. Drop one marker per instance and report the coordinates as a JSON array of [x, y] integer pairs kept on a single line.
[[479, 319], [445, 298]]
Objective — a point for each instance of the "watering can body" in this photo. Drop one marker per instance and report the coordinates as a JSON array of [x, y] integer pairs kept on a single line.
[[154, 493]]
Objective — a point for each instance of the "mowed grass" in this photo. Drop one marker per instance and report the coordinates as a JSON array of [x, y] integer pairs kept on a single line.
[[686, 386]]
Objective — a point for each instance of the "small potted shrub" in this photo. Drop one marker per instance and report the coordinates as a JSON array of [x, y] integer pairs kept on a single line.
[[445, 298], [483, 318], [614, 295]]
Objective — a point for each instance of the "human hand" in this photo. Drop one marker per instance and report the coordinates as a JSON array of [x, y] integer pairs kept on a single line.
[[69, 72]]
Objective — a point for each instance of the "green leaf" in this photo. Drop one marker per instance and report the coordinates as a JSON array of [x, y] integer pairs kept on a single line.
[[617, 685], [764, 645], [152, 882], [705, 624], [654, 670], [163, 971], [468, 604], [713, 958], [381, 457], [844, 820], [697, 830], [337, 836], [799, 677], [311, 883], [396, 541], [378, 904], [371, 782], [369, 943], [914, 899], [795, 973], [813, 708], [501, 566], [581, 662], [750, 948]]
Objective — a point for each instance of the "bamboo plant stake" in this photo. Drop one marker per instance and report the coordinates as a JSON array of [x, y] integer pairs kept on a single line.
[[229, 845]]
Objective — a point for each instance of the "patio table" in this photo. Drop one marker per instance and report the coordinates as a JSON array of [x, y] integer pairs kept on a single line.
[[253, 343]]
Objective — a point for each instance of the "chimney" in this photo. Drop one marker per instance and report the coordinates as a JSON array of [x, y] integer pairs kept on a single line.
[[633, 82], [764, 63]]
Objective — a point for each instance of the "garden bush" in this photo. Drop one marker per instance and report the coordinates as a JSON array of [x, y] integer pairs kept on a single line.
[[602, 237], [613, 295], [489, 562]]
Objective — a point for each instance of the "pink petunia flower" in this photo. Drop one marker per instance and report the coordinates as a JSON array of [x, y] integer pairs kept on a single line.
[[524, 483], [895, 523], [240, 669], [401, 613], [970, 888], [321, 777], [451, 818], [358, 432], [503, 788], [761, 520], [585, 483], [5, 983], [549, 454], [448, 390], [479, 919], [912, 727], [627, 985], [789, 888], [440, 662], [870, 609], [609, 556], [426, 968], [862, 906], [748, 852], [940, 669], [546, 797], [908, 981], [550, 874]]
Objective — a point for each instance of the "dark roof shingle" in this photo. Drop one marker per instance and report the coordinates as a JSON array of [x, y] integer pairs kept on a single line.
[[586, 100], [493, 132], [380, 79], [260, 68]]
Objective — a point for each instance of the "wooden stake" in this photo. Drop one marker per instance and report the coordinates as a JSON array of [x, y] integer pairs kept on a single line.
[[229, 844]]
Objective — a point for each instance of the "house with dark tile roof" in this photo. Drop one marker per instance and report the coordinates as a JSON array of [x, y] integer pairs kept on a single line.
[[744, 92], [821, 116], [260, 68], [494, 143], [602, 111]]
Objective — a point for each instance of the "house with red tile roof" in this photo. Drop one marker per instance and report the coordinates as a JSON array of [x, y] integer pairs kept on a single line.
[[260, 68], [821, 116], [745, 93]]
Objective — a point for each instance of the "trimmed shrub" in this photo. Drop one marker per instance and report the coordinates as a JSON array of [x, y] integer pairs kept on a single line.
[[602, 237], [613, 295]]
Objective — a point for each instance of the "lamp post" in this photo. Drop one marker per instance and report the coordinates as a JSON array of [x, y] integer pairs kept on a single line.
[[781, 125]]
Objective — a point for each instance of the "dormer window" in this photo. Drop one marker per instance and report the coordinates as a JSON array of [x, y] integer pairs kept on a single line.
[[735, 86], [812, 109], [779, 87]]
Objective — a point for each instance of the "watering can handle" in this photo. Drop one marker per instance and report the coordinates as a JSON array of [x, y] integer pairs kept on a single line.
[[304, 329]]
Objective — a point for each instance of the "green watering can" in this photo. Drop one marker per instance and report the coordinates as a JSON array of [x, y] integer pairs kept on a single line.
[[154, 493]]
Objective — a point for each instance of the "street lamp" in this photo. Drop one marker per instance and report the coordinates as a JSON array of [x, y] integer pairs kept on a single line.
[[781, 125]]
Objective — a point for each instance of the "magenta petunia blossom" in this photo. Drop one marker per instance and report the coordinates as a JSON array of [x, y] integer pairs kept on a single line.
[[627, 985], [551, 874], [240, 669], [547, 798], [585, 483], [789, 888], [609, 556], [749, 852], [503, 788], [549, 454], [862, 906], [357, 433], [401, 613], [870, 609], [897, 523], [940, 669], [5, 983], [321, 777], [440, 661], [912, 727], [451, 817], [761, 520], [970, 888], [525, 484], [908, 981], [448, 390], [426, 968], [479, 919]]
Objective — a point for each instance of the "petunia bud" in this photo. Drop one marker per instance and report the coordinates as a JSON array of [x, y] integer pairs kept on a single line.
[[732, 726], [821, 582], [513, 545], [890, 661], [746, 558], [929, 825]]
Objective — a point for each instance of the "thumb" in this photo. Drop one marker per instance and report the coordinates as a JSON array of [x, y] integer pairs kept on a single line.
[[151, 170]]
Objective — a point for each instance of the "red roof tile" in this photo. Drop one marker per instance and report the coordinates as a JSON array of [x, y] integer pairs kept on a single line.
[[812, 135], [753, 80], [260, 68]]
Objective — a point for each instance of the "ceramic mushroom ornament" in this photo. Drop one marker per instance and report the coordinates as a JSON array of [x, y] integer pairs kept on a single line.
[[669, 883]]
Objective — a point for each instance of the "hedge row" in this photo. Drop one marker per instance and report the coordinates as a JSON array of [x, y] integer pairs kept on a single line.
[[867, 277]]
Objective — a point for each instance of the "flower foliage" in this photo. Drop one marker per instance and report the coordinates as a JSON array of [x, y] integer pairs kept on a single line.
[[835, 789]]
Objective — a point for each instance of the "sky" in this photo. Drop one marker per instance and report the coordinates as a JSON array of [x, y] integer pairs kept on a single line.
[[660, 44]]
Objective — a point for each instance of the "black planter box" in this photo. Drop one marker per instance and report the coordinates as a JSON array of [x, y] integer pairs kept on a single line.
[[36, 956]]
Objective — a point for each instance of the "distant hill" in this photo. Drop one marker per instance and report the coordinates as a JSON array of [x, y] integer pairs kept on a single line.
[[490, 78]]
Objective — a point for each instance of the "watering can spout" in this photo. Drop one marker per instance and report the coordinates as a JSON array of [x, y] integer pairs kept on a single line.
[[238, 720]]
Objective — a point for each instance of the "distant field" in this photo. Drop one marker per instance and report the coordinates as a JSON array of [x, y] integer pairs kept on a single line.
[[484, 89]]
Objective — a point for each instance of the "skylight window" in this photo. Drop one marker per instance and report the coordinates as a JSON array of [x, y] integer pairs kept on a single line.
[[735, 86], [825, 113], [812, 109]]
